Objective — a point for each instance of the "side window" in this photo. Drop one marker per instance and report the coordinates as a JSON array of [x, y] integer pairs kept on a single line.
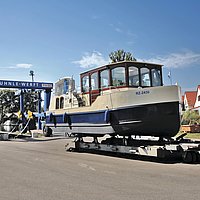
[[57, 103], [104, 78], [145, 77], [85, 84], [156, 77], [133, 76], [94, 81], [61, 102], [118, 76]]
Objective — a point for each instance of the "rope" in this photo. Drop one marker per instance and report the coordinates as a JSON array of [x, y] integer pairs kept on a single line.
[[13, 129], [25, 126]]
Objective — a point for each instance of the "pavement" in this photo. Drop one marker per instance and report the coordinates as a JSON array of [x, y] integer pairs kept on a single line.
[[41, 169]]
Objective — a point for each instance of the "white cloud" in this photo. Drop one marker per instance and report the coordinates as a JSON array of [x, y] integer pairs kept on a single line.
[[176, 60], [173, 60], [21, 66], [118, 30], [93, 59], [97, 17]]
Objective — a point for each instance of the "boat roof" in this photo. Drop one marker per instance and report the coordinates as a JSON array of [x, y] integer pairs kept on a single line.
[[61, 79], [122, 62]]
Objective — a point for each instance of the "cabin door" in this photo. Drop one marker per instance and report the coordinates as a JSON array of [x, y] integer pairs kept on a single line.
[[94, 86], [93, 95]]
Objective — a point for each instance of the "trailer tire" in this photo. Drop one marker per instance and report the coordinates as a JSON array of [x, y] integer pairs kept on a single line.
[[47, 132], [194, 157], [187, 157], [198, 157]]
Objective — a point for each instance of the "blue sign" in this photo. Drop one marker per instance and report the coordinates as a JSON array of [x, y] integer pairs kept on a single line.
[[25, 85]]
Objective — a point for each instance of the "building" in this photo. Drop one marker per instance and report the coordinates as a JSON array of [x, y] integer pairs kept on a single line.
[[191, 100], [197, 101]]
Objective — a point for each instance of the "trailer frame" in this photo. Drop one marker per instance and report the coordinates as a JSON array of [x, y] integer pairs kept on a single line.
[[182, 149]]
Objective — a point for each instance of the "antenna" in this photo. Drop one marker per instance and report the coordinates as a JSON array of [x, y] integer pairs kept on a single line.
[[170, 76], [32, 75]]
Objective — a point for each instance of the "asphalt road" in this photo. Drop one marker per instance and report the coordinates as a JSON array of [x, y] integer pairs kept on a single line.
[[43, 170]]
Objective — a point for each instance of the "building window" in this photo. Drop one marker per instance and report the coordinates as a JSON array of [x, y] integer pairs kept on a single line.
[[145, 77], [199, 98], [85, 84], [133, 76], [61, 102], [118, 76], [94, 81], [57, 103], [104, 78]]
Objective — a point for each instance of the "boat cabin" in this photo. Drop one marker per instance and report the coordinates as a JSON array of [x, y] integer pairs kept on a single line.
[[120, 75]]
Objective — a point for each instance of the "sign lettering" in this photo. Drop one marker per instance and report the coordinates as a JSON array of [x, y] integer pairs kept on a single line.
[[143, 92], [25, 84]]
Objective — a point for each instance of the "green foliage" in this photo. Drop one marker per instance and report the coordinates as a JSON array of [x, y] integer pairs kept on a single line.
[[9, 102], [190, 117], [121, 55], [30, 100], [190, 135]]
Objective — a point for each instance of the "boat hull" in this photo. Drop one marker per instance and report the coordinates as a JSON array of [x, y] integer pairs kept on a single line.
[[160, 119]]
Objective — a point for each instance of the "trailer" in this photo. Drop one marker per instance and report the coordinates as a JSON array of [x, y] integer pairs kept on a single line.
[[185, 150]]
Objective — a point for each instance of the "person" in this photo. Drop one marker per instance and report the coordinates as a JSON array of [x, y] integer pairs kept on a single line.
[[21, 120], [31, 121]]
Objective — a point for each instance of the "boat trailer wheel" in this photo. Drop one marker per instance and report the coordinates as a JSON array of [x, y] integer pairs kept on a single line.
[[191, 157], [47, 132]]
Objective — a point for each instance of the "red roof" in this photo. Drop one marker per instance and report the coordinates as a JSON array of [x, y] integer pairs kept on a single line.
[[191, 98], [182, 98]]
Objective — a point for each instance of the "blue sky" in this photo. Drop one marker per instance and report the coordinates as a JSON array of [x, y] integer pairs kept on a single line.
[[57, 38]]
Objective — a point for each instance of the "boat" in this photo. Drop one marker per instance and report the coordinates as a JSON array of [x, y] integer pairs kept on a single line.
[[124, 98]]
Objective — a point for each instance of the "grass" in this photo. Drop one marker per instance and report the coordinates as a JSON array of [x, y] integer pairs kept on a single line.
[[194, 136]]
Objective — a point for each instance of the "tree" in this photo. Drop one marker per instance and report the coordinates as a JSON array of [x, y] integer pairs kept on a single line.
[[30, 100], [190, 117], [9, 101], [121, 55]]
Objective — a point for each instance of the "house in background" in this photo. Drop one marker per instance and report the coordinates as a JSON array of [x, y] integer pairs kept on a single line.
[[191, 100], [197, 101]]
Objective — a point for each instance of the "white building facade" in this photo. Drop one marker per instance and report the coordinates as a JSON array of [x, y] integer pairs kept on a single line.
[[197, 102]]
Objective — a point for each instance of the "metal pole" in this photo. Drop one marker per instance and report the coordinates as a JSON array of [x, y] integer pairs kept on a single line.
[[45, 100], [170, 76], [22, 101], [32, 75], [39, 110]]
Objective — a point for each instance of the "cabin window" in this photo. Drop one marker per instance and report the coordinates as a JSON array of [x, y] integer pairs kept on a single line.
[[57, 103], [85, 84], [156, 77], [199, 98], [104, 78], [94, 81], [61, 102], [145, 77], [118, 76], [133, 76]]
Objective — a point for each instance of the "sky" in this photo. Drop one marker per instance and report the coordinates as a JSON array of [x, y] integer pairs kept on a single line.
[[59, 38]]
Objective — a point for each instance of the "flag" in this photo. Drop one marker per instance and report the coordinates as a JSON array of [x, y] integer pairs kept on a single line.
[[169, 74]]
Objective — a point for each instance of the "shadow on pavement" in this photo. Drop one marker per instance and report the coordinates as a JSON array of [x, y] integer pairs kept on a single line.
[[169, 160]]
